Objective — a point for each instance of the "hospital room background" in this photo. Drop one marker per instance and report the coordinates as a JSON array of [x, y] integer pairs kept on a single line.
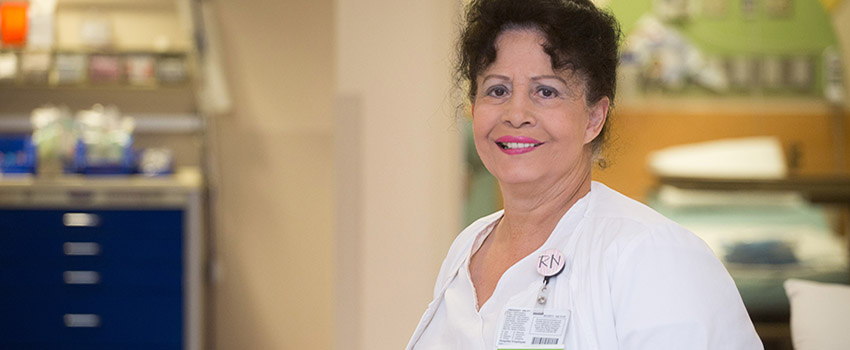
[[283, 174]]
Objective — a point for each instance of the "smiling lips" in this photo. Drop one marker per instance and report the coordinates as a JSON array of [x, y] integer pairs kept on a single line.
[[514, 145]]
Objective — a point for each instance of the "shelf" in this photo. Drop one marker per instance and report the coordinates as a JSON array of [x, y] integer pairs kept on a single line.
[[19, 101], [95, 87], [185, 178], [123, 51], [145, 123], [112, 4], [92, 68], [761, 105]]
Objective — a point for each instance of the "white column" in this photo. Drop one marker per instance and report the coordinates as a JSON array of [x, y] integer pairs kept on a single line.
[[398, 158]]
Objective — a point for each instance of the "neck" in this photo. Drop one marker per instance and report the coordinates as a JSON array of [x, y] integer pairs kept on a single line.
[[532, 211]]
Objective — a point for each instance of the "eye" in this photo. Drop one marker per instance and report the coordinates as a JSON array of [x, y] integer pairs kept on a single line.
[[497, 91], [547, 92]]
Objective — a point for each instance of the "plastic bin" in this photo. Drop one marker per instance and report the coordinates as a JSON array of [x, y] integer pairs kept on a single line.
[[17, 154]]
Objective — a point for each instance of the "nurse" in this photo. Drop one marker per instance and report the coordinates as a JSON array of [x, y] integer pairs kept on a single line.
[[569, 263]]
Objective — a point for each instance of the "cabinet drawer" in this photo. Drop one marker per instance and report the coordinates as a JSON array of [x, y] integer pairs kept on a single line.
[[107, 278], [43, 224], [107, 251], [43, 318], [90, 224]]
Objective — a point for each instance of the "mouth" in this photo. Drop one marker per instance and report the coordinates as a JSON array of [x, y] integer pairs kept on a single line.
[[517, 145], [514, 145]]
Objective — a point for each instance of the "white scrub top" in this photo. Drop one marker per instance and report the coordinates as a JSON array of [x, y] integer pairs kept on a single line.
[[633, 280]]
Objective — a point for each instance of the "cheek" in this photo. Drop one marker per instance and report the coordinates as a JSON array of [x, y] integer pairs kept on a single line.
[[481, 132], [479, 136], [482, 122], [569, 130]]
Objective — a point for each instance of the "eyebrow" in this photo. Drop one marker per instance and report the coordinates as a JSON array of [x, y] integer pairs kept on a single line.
[[494, 76], [535, 79]]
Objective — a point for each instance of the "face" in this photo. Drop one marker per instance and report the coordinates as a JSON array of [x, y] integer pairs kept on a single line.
[[532, 124]]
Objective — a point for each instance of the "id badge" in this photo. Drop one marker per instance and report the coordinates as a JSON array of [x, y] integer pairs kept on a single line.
[[523, 328]]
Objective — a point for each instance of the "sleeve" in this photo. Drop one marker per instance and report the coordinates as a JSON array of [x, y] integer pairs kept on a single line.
[[669, 291]]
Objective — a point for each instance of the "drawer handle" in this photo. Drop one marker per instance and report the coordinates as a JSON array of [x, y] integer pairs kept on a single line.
[[82, 320], [81, 248], [81, 277], [80, 220]]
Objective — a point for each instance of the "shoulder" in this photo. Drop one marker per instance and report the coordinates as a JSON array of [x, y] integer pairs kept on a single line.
[[621, 222], [667, 288], [631, 238], [606, 203]]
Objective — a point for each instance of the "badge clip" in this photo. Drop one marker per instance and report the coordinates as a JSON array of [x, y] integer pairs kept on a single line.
[[550, 263]]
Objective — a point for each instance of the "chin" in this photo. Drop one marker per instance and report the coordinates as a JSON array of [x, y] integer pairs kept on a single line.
[[517, 177]]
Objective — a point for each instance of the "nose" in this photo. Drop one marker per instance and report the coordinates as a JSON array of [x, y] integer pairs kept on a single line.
[[519, 112]]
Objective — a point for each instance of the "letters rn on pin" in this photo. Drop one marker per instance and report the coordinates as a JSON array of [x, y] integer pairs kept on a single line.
[[549, 261]]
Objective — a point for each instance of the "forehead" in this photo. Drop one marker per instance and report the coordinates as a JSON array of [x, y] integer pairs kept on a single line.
[[521, 49], [520, 56], [520, 53]]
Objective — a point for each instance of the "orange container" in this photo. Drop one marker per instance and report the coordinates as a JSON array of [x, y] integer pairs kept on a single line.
[[13, 23]]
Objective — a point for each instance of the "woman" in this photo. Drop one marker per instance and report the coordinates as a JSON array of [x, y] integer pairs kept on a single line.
[[568, 263]]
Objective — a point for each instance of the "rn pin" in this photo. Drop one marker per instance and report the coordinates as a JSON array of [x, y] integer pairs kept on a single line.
[[550, 263]]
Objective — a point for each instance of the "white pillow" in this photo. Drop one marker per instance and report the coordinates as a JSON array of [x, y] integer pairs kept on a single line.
[[820, 315]]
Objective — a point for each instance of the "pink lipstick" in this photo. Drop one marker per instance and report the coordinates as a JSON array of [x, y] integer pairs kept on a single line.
[[514, 145]]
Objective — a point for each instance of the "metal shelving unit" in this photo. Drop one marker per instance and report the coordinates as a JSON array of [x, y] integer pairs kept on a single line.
[[175, 111]]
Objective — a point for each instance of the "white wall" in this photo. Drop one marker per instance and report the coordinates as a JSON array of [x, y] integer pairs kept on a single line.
[[385, 175], [275, 176], [399, 164]]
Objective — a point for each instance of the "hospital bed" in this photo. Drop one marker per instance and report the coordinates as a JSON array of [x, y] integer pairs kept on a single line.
[[763, 238], [765, 232]]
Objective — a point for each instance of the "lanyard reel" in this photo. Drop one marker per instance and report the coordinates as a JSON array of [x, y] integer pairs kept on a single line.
[[550, 263]]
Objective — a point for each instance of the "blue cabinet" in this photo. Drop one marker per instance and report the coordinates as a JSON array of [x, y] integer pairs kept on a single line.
[[98, 278]]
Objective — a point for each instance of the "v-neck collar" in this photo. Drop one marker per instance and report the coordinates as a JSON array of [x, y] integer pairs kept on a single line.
[[517, 275]]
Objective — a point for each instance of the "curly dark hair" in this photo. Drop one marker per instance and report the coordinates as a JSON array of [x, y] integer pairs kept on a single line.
[[579, 37]]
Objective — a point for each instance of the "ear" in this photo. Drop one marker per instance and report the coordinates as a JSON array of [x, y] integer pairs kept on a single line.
[[597, 114]]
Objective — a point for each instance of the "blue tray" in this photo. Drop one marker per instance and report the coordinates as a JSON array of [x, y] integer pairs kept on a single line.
[[81, 164], [18, 154]]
